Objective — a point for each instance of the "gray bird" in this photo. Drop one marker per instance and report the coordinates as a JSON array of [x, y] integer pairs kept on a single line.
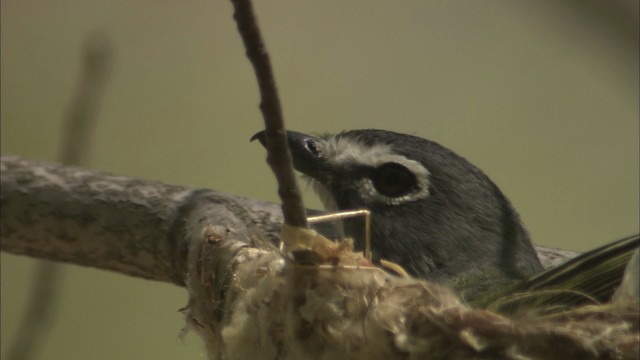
[[434, 213]]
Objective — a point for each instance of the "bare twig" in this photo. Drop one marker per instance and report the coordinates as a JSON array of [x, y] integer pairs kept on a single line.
[[76, 141], [278, 155]]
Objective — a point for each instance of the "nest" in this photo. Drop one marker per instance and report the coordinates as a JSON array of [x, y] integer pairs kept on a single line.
[[250, 302]]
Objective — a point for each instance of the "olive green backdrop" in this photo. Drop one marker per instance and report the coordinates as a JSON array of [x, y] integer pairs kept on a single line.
[[542, 95]]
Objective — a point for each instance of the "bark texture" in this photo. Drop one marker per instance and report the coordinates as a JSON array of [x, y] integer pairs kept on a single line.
[[128, 225], [133, 226]]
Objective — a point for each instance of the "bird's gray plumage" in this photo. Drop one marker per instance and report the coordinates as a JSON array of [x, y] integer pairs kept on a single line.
[[433, 212], [444, 220]]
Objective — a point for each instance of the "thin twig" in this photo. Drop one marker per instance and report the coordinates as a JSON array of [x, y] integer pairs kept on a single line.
[[78, 127], [278, 154]]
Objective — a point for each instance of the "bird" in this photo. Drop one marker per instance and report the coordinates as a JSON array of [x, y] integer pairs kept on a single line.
[[432, 211]]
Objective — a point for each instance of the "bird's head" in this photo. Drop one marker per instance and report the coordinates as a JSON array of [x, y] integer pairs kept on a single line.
[[433, 212]]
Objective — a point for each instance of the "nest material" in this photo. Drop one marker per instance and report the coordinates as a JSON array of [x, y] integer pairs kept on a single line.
[[250, 303]]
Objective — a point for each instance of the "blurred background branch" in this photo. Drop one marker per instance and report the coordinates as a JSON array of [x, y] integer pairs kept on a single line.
[[79, 124]]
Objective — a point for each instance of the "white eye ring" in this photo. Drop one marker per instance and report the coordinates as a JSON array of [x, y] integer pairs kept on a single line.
[[344, 153]]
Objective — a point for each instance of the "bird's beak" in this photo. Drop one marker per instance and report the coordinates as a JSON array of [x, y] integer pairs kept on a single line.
[[304, 153]]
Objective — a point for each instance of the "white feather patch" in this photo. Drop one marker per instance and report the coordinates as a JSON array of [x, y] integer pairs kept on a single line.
[[345, 152]]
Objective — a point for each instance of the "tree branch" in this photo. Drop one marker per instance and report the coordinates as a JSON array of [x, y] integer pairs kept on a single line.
[[116, 223], [133, 226]]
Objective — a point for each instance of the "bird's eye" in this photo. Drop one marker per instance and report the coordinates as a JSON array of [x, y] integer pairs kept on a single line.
[[393, 180], [310, 144]]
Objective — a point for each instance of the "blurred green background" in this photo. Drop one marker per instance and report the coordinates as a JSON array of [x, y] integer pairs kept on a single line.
[[542, 95]]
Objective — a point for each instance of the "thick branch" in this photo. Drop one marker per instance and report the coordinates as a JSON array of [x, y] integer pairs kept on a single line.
[[115, 223], [136, 227]]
